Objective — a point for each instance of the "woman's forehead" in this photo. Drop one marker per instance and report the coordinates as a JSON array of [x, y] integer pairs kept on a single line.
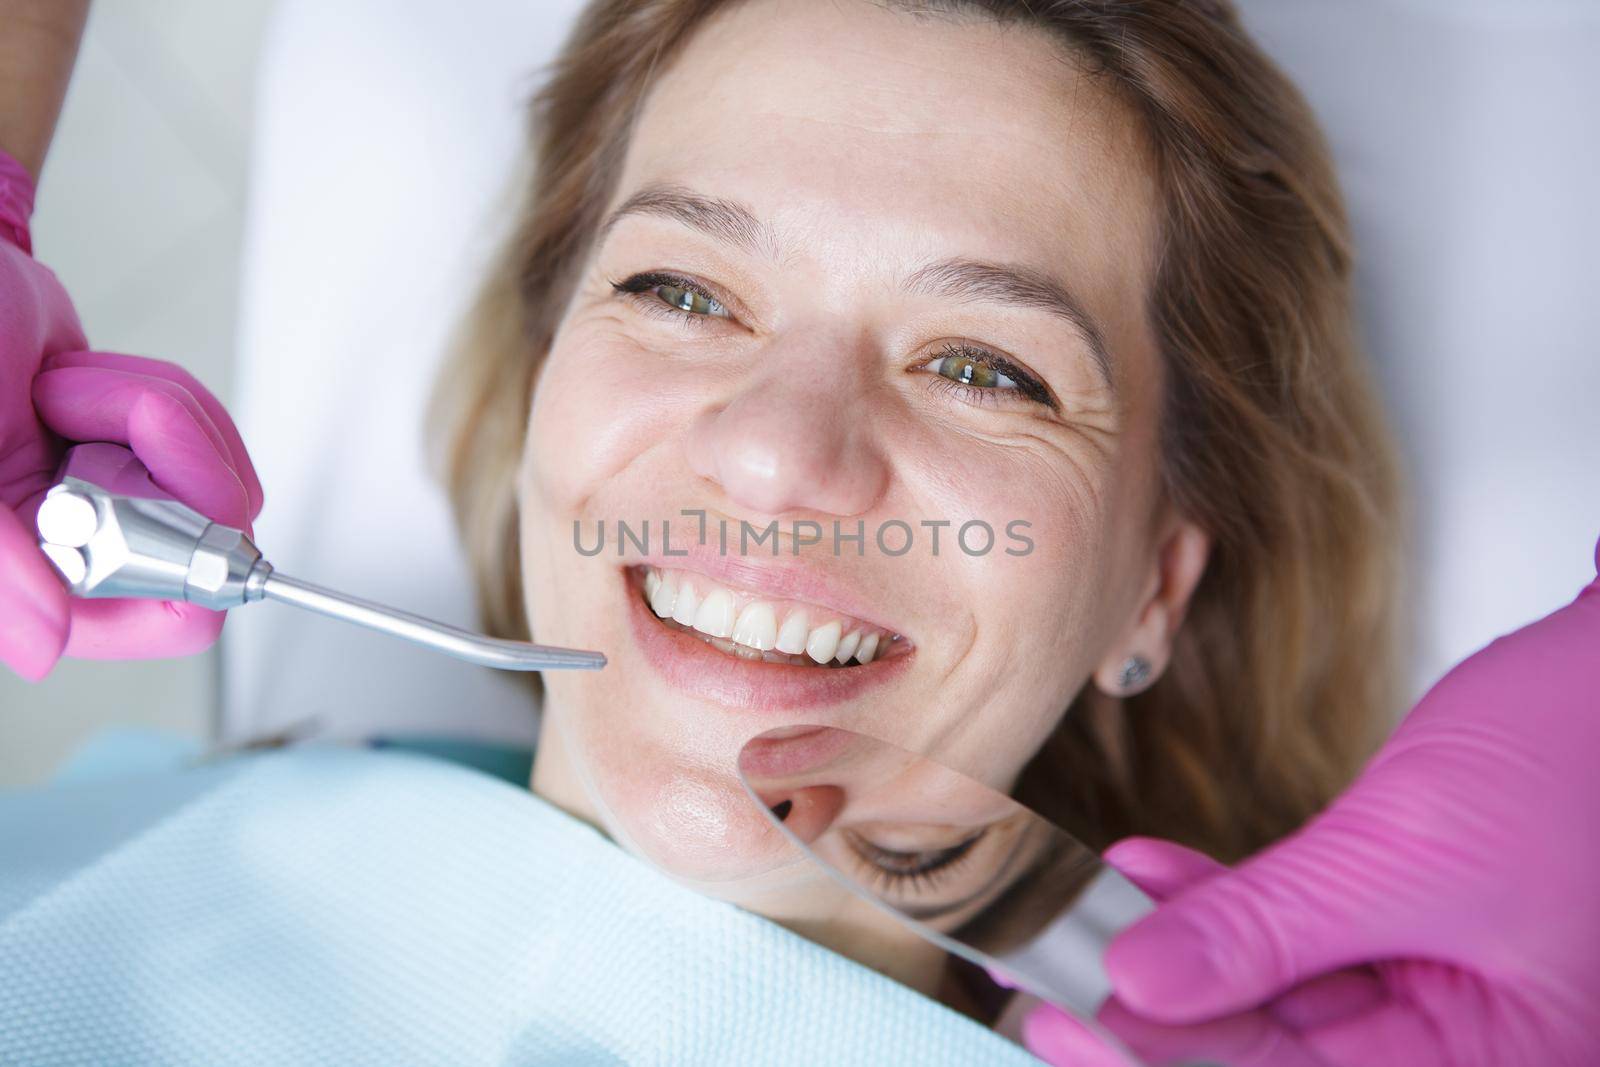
[[864, 135]]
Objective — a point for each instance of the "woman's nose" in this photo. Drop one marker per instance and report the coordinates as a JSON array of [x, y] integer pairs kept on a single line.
[[798, 435]]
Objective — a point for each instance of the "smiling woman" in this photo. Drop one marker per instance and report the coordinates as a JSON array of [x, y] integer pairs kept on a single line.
[[1078, 265]]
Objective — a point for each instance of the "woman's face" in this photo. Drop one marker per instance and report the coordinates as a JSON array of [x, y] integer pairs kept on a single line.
[[859, 268]]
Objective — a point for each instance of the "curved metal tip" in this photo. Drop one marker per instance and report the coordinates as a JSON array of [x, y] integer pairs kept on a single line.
[[495, 652], [545, 658]]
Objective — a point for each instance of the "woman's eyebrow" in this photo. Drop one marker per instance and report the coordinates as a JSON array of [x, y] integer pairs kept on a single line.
[[726, 220], [971, 279], [955, 279]]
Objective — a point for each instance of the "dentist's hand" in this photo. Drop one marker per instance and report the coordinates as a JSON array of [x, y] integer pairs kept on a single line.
[[1444, 910], [54, 393], [1269, 1036]]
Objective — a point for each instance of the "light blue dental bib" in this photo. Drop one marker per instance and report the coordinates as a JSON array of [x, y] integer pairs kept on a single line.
[[329, 906]]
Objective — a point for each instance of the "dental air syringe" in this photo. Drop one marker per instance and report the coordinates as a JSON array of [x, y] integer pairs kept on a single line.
[[112, 532]]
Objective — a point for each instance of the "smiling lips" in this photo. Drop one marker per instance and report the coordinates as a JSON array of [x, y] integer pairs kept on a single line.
[[745, 625], [733, 670]]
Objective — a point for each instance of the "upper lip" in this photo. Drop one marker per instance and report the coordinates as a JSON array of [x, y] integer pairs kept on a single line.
[[781, 578]]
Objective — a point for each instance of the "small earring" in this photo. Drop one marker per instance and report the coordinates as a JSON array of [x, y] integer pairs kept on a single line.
[[1134, 673]]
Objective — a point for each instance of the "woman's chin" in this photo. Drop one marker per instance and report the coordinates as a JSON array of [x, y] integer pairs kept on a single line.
[[698, 827]]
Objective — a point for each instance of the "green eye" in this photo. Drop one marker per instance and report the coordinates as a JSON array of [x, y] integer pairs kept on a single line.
[[969, 371], [688, 300]]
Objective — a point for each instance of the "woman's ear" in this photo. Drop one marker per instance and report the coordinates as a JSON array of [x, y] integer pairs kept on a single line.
[[1137, 659]]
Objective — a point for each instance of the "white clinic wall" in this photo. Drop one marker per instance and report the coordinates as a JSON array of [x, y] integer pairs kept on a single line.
[[139, 212], [1467, 137]]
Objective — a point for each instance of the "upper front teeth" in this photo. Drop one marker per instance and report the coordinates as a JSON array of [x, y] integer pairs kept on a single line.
[[757, 626], [684, 607], [696, 602], [792, 638], [715, 616], [822, 642]]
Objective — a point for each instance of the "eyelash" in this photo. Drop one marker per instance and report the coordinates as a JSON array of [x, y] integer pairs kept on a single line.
[[638, 289], [1027, 386], [923, 875]]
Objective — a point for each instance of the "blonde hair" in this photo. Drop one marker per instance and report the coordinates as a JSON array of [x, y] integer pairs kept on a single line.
[[1272, 439]]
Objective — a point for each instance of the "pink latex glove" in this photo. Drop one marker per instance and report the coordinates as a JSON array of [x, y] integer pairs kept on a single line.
[[53, 394], [1444, 910], [1269, 1036]]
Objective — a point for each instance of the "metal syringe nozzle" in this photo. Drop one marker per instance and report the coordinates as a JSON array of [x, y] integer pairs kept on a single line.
[[108, 545], [112, 532]]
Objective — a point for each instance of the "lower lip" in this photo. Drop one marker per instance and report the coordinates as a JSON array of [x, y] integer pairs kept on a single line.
[[689, 664]]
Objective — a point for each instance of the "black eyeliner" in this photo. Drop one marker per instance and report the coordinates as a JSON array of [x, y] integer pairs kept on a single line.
[[1027, 384], [638, 283]]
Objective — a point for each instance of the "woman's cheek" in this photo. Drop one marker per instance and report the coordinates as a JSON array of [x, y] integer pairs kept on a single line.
[[677, 800], [601, 403], [1034, 509], [1037, 592]]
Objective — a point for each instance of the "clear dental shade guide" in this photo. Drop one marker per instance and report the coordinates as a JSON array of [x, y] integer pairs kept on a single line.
[[112, 532]]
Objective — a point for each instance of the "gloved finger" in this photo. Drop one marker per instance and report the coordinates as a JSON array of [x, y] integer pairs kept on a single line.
[[1060, 1040], [140, 629], [34, 612], [1158, 867], [1245, 1039], [91, 403], [38, 317], [1161, 868], [1236, 940], [1346, 890], [1330, 998], [156, 368], [1393, 1032], [160, 421]]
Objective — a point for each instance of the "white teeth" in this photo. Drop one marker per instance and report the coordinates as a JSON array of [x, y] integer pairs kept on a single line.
[[752, 631], [757, 626], [688, 603], [792, 638], [823, 641], [715, 616], [661, 597]]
